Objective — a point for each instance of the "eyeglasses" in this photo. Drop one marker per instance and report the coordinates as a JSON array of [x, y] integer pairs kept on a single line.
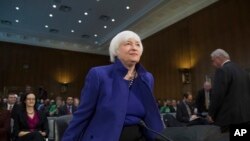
[[31, 99]]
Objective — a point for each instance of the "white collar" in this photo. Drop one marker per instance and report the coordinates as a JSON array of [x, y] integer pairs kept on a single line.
[[10, 104], [225, 62]]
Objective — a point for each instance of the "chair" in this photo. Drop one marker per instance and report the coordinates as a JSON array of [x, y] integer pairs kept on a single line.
[[51, 124], [61, 123]]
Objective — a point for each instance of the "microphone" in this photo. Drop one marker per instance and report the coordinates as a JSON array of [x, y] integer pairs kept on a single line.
[[142, 123]]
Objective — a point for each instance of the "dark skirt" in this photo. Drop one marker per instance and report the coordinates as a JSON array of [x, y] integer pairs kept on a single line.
[[132, 133], [33, 136]]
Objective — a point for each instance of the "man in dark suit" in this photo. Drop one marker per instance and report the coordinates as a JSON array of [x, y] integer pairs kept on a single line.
[[69, 108], [185, 112], [231, 92], [185, 109], [11, 104], [202, 101], [11, 101]]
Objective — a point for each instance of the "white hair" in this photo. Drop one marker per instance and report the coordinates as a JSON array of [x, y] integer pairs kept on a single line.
[[220, 53], [118, 39]]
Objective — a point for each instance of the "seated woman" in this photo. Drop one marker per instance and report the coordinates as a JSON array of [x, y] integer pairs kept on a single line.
[[29, 124], [4, 124]]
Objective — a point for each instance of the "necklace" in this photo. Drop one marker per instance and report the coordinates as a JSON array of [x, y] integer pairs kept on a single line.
[[131, 81], [131, 75]]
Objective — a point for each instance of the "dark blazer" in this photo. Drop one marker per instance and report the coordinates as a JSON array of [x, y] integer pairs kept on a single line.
[[63, 110], [200, 101], [20, 123], [230, 95], [182, 112], [102, 110], [14, 110], [5, 106]]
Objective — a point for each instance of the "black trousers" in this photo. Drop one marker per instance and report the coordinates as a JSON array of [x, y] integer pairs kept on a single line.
[[132, 133], [33, 136]]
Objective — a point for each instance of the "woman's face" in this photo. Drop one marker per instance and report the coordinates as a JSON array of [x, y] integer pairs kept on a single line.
[[130, 51], [30, 100]]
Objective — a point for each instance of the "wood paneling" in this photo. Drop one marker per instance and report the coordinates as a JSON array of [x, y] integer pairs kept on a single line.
[[188, 44], [25, 65]]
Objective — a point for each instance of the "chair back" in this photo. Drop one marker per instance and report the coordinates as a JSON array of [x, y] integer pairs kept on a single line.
[[51, 124], [61, 125]]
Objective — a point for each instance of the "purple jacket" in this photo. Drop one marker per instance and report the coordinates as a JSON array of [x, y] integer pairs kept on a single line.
[[102, 110]]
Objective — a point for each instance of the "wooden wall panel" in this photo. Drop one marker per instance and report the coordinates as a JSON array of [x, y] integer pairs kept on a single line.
[[46, 67], [188, 44]]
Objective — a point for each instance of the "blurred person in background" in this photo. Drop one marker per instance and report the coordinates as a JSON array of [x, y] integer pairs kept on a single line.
[[69, 108], [76, 102], [203, 99]]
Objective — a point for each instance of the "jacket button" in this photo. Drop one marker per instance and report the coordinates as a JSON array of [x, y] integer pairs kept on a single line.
[[91, 137]]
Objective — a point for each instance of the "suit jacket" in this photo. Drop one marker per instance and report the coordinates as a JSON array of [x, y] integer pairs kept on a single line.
[[182, 112], [5, 106], [102, 110], [14, 110], [230, 95], [200, 101], [63, 110], [21, 124]]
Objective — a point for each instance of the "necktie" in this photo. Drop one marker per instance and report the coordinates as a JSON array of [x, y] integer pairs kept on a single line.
[[10, 107], [207, 100], [188, 109], [69, 109]]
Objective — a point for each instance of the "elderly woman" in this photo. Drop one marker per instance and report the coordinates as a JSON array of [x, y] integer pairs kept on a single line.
[[116, 98], [29, 124]]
